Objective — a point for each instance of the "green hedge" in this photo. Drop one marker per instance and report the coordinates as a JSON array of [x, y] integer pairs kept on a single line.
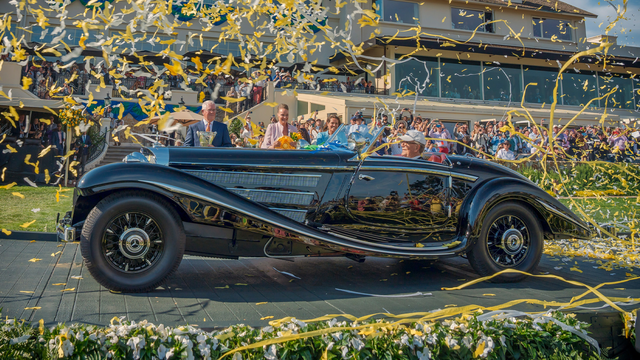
[[549, 336], [583, 176]]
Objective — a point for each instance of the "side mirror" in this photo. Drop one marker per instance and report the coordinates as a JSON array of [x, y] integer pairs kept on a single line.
[[357, 142]]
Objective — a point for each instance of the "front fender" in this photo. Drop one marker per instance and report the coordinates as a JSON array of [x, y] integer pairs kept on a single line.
[[556, 219]]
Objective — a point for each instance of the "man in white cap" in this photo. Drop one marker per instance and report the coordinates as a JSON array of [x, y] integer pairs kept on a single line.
[[413, 144]]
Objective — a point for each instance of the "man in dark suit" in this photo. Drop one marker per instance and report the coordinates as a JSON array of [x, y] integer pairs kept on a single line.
[[58, 138], [84, 143], [208, 123]]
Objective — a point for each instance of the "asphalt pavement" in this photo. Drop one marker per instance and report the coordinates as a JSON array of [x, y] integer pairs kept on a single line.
[[214, 293]]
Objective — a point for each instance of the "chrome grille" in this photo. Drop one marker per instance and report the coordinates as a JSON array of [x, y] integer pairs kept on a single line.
[[297, 215], [275, 197], [256, 179]]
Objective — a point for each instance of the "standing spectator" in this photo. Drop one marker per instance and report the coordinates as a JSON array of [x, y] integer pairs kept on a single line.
[[276, 130], [480, 140], [84, 143], [459, 132], [246, 131], [58, 139], [504, 153], [232, 94], [438, 131], [466, 149], [618, 143], [311, 128], [208, 123]]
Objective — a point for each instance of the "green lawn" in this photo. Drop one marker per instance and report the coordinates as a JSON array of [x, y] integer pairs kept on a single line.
[[16, 211]]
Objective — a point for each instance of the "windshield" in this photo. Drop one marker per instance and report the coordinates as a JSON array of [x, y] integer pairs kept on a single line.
[[341, 136]]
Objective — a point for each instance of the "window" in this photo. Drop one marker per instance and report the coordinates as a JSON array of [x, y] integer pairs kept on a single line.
[[579, 88], [552, 29], [397, 11], [417, 73], [546, 82], [303, 108], [316, 107], [503, 83], [463, 19], [621, 98], [72, 36], [460, 79]]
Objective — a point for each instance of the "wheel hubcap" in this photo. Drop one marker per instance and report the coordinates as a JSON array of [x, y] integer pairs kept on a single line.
[[132, 242], [508, 241], [512, 241]]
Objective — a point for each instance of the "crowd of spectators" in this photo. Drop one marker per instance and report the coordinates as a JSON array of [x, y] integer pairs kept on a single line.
[[48, 132], [284, 79], [487, 139]]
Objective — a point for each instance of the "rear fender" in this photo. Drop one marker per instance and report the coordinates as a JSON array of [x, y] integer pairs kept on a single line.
[[556, 220]]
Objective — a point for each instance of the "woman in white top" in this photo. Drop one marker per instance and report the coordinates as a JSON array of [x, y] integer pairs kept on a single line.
[[246, 132]]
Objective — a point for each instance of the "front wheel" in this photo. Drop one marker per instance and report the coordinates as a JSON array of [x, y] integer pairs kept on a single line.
[[511, 238], [132, 241]]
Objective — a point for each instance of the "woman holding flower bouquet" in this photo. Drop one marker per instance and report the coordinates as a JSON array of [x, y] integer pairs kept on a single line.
[[278, 129]]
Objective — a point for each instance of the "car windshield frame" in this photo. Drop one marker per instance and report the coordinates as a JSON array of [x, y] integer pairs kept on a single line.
[[335, 134]]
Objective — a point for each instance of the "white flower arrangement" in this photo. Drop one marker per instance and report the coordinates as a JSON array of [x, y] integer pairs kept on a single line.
[[465, 337]]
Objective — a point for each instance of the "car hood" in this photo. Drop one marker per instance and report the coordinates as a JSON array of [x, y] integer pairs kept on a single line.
[[188, 157]]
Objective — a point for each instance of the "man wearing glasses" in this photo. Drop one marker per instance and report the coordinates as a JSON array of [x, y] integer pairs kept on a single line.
[[208, 123]]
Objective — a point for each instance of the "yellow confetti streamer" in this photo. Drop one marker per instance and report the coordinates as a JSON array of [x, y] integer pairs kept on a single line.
[[27, 224]]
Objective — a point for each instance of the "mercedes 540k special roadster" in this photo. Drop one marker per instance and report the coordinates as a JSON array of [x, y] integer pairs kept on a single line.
[[136, 219]]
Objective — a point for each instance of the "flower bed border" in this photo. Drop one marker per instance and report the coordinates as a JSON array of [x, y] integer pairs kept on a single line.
[[495, 335]]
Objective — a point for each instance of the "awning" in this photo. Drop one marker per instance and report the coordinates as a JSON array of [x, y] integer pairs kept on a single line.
[[490, 49], [29, 101]]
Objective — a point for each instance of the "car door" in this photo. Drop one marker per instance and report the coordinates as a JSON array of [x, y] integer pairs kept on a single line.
[[410, 203]]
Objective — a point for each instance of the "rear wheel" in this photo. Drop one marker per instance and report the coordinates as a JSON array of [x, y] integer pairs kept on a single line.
[[511, 238], [132, 241]]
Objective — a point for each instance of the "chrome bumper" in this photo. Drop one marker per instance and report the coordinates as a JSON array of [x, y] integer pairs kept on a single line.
[[66, 232]]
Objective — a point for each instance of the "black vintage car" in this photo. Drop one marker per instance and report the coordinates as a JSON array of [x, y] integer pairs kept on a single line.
[[136, 219]]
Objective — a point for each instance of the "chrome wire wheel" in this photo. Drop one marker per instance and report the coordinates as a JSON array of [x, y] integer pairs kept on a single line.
[[132, 242], [508, 241]]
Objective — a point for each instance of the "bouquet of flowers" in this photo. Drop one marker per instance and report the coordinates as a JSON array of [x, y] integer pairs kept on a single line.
[[70, 117], [286, 142], [206, 137]]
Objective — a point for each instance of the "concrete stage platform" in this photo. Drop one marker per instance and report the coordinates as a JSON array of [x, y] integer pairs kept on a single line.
[[215, 293]]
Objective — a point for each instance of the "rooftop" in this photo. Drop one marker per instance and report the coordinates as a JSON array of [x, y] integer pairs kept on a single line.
[[540, 5]]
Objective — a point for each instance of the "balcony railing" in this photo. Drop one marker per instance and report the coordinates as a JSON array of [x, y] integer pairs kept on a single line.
[[333, 87]]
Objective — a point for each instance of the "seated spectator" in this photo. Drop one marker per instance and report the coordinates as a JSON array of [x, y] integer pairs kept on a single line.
[[412, 143], [278, 129], [332, 125]]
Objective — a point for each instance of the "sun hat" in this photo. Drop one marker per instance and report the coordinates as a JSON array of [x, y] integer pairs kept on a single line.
[[414, 135]]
